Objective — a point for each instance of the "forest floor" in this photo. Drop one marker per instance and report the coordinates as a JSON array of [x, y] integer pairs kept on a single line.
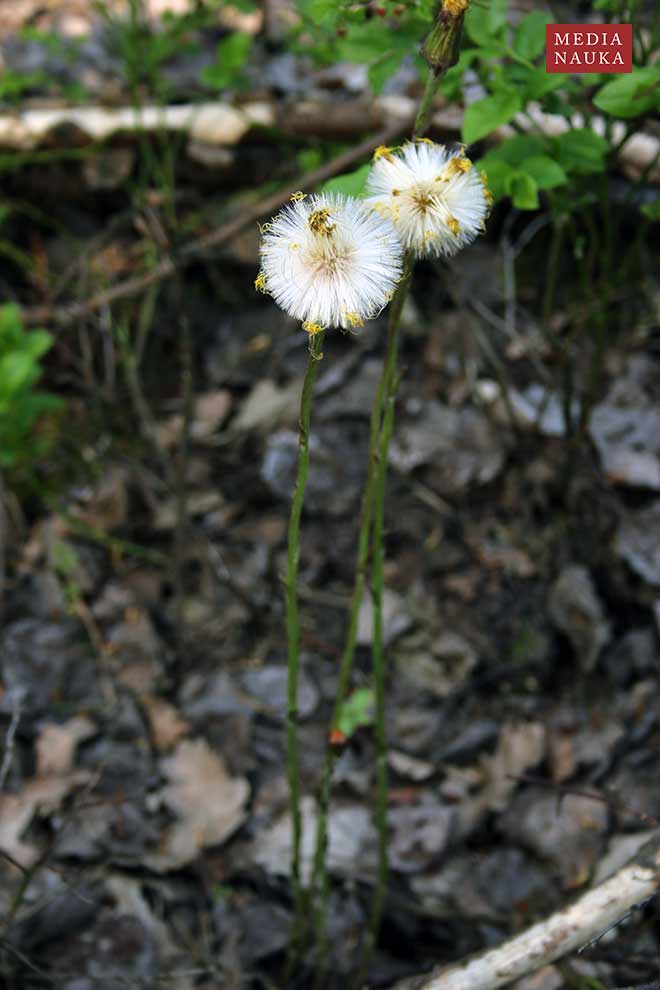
[[144, 830]]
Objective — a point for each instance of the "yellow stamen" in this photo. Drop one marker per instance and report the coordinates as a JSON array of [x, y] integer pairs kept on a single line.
[[353, 319], [293, 246], [453, 225], [458, 164], [297, 196], [455, 7], [425, 141], [312, 328], [264, 227], [260, 283], [382, 151], [318, 222]]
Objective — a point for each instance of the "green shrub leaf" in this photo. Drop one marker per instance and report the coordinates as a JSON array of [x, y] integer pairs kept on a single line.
[[529, 39], [489, 113], [581, 151], [545, 171], [230, 57], [350, 183], [523, 191], [632, 94], [356, 711]]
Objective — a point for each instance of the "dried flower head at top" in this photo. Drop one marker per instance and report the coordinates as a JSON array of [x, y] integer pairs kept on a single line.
[[329, 261], [435, 198]]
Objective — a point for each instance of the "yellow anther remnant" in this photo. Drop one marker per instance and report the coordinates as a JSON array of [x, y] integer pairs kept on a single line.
[[396, 192], [427, 236], [264, 227], [425, 141], [454, 225], [457, 165], [382, 151], [353, 319], [260, 283], [455, 7], [488, 196], [293, 246], [312, 328], [318, 222], [297, 196]]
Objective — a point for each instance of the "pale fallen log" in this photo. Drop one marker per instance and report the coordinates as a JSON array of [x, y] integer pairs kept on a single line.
[[562, 932], [212, 123], [222, 125]]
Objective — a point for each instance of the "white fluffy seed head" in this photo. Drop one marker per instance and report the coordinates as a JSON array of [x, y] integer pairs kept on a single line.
[[435, 198], [329, 261]]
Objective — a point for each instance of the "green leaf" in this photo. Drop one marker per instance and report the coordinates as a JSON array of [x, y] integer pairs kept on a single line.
[[529, 39], [539, 83], [356, 711], [652, 210], [632, 94], [382, 69], [498, 174], [581, 151], [514, 149], [309, 159], [319, 9], [483, 22], [350, 183], [489, 113], [16, 371], [523, 191], [545, 171], [230, 57]]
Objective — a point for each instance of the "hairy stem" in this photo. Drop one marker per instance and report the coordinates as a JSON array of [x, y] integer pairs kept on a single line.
[[320, 873], [293, 629], [378, 656]]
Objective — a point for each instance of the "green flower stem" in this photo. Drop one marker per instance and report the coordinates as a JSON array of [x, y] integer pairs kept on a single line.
[[380, 430], [423, 117], [378, 656], [379, 668], [293, 629], [320, 872]]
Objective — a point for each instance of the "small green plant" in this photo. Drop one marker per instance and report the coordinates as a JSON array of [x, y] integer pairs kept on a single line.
[[21, 404], [510, 67]]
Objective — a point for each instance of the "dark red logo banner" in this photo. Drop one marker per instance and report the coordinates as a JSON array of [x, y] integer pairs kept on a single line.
[[588, 48]]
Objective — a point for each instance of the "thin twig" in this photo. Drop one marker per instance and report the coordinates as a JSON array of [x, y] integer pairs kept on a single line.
[[10, 740], [215, 238]]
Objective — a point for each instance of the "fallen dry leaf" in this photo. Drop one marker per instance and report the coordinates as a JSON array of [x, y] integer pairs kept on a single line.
[[209, 804], [39, 796], [56, 745], [167, 726], [520, 747]]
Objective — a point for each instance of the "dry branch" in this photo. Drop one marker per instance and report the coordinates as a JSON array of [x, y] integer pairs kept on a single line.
[[214, 239], [565, 931]]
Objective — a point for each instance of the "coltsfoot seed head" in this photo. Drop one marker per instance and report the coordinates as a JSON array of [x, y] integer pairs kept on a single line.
[[329, 261], [435, 198]]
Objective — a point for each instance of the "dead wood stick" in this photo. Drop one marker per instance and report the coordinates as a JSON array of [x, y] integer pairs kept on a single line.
[[564, 931], [215, 238]]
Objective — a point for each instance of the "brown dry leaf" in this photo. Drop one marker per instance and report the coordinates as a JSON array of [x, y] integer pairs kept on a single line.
[[56, 745], [211, 409], [167, 726], [210, 804], [39, 796], [106, 504], [520, 747]]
